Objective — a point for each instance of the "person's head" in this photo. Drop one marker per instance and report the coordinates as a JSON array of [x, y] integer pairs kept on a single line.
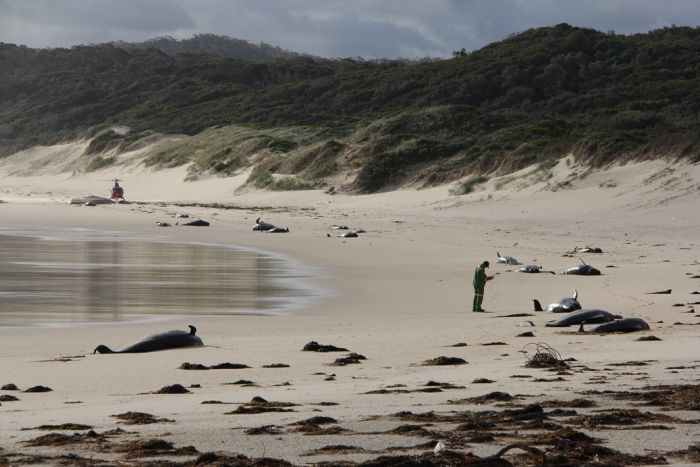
[[485, 264]]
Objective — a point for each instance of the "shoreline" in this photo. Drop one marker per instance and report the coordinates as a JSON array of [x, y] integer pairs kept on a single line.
[[299, 282]]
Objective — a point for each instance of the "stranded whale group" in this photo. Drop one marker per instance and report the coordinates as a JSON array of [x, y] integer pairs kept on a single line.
[[575, 314], [582, 269]]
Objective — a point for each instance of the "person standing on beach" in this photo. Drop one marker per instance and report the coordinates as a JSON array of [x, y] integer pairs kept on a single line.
[[479, 282]]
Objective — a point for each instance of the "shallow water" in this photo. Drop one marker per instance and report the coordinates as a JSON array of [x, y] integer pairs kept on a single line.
[[70, 276]]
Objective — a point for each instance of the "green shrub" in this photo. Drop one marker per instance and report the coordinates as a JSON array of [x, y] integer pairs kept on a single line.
[[467, 186], [99, 162], [290, 184], [104, 141]]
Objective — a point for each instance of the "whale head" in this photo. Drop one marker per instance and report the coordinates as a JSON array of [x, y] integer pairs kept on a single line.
[[102, 349]]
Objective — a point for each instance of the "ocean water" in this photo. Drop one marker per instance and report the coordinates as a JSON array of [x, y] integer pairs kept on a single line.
[[74, 276]]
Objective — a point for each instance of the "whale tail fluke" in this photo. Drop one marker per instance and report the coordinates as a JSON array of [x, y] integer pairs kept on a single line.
[[584, 263], [575, 295], [102, 349], [537, 305], [193, 330]]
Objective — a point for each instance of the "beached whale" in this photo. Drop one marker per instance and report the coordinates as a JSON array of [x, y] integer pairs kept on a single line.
[[584, 316], [620, 325], [533, 269], [564, 305], [265, 226], [197, 223], [583, 269], [351, 234], [506, 259], [95, 200], [588, 249], [270, 228], [162, 341]]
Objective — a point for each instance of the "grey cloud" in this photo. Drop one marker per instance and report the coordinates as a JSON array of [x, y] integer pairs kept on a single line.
[[47, 23], [332, 28], [353, 37], [127, 15]]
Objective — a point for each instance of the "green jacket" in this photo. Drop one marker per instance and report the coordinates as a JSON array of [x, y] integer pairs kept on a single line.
[[479, 277]]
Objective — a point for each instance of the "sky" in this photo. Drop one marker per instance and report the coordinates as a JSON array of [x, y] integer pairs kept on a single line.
[[329, 28]]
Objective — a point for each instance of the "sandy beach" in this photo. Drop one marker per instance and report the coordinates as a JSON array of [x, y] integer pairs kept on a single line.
[[399, 294]]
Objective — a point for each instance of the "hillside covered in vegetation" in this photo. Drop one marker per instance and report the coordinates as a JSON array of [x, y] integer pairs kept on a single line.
[[211, 44], [527, 99]]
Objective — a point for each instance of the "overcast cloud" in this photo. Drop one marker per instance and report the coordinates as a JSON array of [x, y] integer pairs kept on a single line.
[[329, 28]]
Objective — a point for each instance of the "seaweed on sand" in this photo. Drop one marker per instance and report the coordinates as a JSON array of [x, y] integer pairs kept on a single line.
[[545, 356]]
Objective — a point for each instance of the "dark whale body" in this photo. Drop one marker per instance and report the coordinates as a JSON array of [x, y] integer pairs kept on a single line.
[[583, 270], [564, 305], [533, 269], [197, 223], [584, 316], [261, 226], [620, 325], [162, 341], [506, 259]]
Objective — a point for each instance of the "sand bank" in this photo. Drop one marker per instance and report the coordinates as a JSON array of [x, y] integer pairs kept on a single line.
[[399, 295]]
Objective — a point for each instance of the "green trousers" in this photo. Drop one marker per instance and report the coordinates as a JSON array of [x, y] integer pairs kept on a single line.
[[478, 298]]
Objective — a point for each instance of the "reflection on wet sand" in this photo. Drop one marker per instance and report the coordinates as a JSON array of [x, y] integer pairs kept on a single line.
[[48, 281]]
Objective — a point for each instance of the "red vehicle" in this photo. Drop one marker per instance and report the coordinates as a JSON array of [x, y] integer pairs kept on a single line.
[[117, 191]]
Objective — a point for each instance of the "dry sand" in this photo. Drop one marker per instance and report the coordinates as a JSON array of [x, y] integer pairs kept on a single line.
[[399, 295]]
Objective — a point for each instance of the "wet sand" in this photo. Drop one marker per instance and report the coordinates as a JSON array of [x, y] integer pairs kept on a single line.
[[399, 295]]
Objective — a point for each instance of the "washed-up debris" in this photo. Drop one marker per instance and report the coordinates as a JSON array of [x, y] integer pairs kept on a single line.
[[442, 360], [545, 356], [350, 359], [63, 426], [38, 389], [314, 346], [172, 389], [140, 418]]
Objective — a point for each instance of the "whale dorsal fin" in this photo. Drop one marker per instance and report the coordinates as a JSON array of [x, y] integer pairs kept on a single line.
[[193, 330], [580, 328], [536, 302]]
